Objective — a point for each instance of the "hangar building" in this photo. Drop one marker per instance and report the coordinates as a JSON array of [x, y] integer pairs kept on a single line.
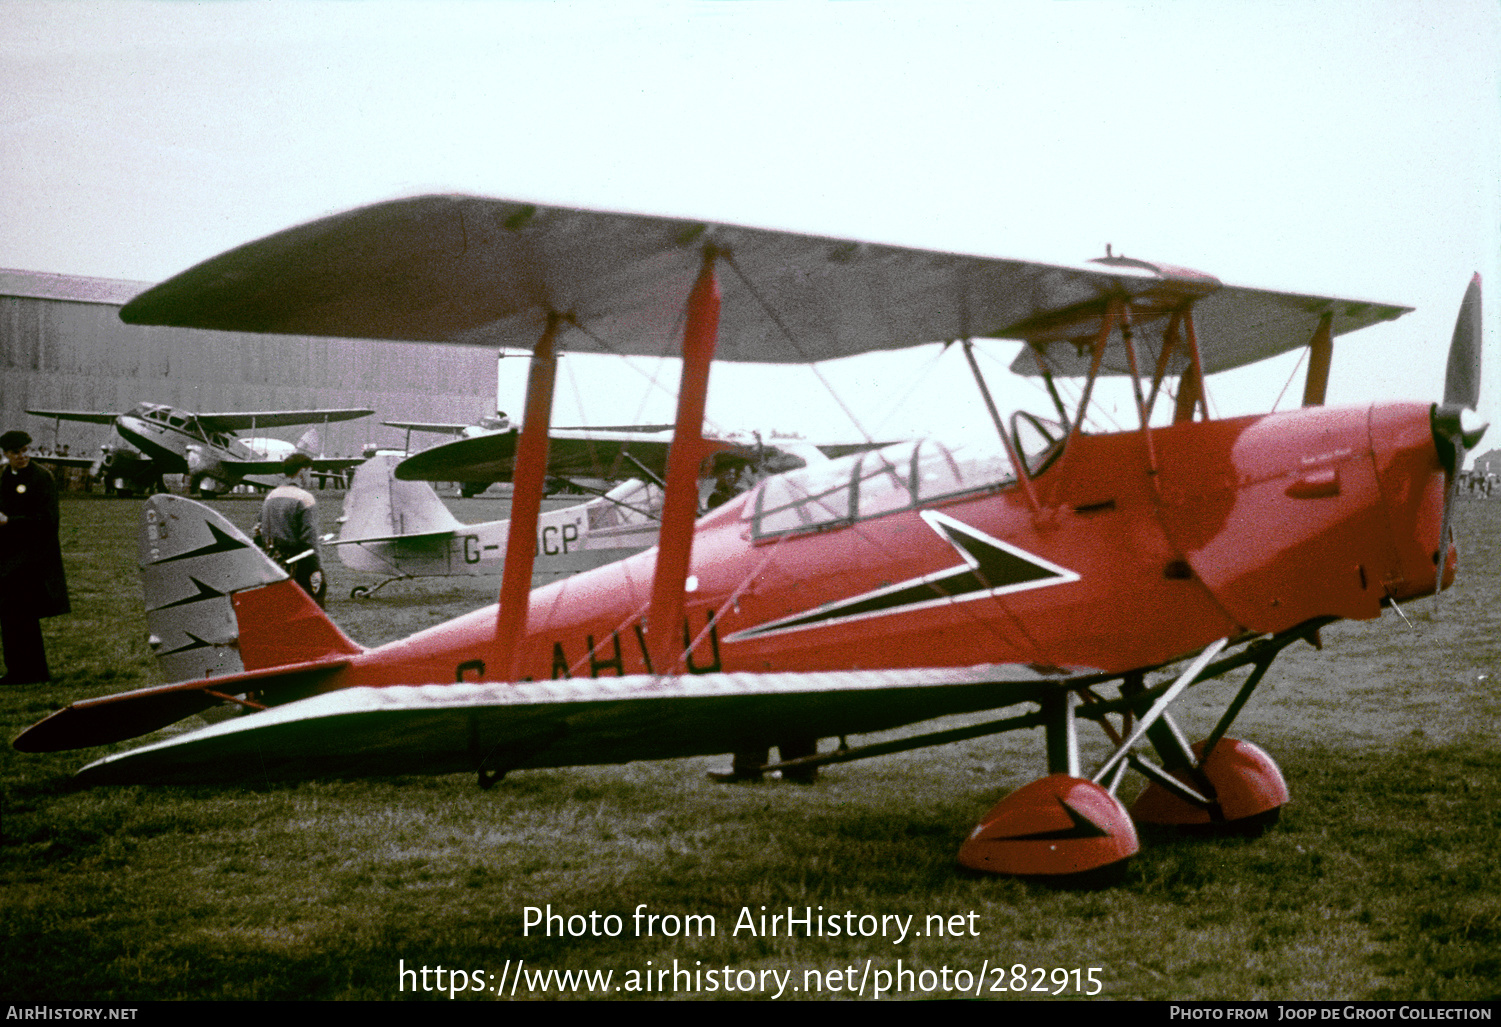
[[64, 347]]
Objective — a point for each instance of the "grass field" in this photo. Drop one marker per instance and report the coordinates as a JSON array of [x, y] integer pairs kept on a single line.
[[1381, 882]]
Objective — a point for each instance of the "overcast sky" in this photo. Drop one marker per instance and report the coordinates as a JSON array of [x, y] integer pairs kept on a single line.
[[1348, 149]]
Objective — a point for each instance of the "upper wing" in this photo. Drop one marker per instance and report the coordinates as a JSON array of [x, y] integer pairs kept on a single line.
[[835, 450], [94, 416], [241, 421], [571, 452], [1234, 326], [614, 427], [479, 270], [447, 429], [479, 458], [456, 429], [439, 729]]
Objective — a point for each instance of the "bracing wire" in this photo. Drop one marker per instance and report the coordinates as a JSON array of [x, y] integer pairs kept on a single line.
[[1031, 381], [924, 373], [1301, 354], [652, 380], [797, 344]]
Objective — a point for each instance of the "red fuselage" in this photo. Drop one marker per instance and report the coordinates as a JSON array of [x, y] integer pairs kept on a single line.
[[1245, 526]]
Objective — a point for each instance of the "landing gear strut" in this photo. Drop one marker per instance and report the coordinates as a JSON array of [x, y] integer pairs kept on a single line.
[[366, 591], [1065, 828]]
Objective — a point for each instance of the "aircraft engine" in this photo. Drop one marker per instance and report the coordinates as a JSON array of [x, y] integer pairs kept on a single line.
[[204, 472]]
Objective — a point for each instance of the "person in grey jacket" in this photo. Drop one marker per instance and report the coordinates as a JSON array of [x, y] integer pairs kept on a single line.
[[288, 527]]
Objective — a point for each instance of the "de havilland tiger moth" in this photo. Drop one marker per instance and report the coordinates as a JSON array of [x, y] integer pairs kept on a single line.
[[1057, 574]]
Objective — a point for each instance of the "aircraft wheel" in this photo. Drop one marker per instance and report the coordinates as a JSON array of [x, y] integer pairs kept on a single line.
[[1060, 830], [359, 592], [1247, 782]]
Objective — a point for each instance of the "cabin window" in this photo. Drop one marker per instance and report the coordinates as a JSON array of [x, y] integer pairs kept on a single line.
[[944, 470], [884, 480], [895, 478], [808, 498]]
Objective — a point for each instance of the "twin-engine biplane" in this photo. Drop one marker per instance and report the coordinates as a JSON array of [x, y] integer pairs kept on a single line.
[[204, 446], [1051, 572]]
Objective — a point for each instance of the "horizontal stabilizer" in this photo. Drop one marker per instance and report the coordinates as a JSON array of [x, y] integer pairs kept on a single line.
[[116, 718], [439, 729], [421, 536]]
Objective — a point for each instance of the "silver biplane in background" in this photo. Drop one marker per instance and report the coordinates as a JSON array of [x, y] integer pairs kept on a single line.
[[402, 529], [479, 458], [204, 446], [395, 524]]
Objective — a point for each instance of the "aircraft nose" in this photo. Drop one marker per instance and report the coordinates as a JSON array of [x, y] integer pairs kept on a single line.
[[1409, 452]]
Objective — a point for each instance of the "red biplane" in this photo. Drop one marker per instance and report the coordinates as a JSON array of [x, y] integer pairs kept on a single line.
[[880, 590]]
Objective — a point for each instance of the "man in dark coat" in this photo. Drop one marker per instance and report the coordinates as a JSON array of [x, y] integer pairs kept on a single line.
[[32, 585]]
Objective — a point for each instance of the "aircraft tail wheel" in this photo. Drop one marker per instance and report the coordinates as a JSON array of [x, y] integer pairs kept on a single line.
[[1247, 782], [1059, 830], [358, 592]]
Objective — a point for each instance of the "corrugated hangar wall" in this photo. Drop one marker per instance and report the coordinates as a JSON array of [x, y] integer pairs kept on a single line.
[[64, 347]]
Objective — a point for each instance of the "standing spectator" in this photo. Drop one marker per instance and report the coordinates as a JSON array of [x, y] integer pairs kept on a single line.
[[289, 526], [32, 583]]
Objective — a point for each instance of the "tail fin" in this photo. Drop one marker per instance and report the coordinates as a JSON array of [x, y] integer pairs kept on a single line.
[[380, 506], [216, 604], [225, 621], [310, 442]]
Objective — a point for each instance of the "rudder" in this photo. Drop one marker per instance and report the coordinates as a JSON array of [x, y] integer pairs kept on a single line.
[[212, 598], [380, 506]]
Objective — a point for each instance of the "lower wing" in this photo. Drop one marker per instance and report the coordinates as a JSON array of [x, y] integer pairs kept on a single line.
[[456, 728]]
